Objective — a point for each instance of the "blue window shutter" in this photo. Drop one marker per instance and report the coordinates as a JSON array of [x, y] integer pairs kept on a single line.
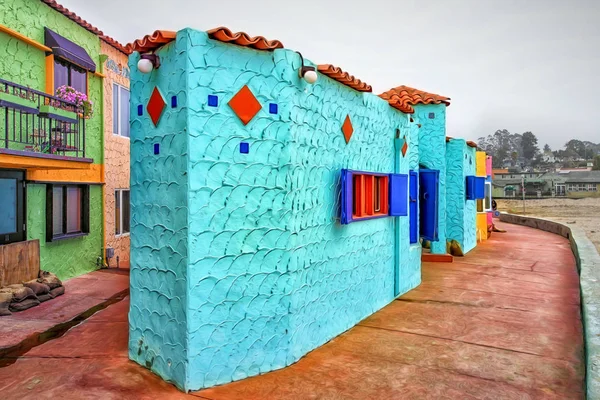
[[346, 200], [429, 193], [413, 201], [480, 187], [470, 188], [398, 195]]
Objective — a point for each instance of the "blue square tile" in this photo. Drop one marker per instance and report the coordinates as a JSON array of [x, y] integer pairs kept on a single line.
[[140, 109], [431, 115], [156, 148], [244, 148], [213, 101], [173, 101], [272, 108]]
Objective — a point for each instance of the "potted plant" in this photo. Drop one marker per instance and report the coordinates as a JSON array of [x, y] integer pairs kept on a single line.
[[80, 99]]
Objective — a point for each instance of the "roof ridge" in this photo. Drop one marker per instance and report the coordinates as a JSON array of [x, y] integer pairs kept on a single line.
[[84, 24]]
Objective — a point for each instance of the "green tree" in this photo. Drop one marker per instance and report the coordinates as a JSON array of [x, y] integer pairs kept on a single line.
[[529, 144], [547, 148], [596, 166]]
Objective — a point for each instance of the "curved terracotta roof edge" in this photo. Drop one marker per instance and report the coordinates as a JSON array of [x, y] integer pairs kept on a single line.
[[343, 77], [225, 35]]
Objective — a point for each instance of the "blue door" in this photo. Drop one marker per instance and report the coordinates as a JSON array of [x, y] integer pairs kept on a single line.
[[413, 201], [429, 194]]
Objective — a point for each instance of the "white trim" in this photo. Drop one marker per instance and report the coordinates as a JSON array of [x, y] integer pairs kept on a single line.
[[121, 233], [118, 107]]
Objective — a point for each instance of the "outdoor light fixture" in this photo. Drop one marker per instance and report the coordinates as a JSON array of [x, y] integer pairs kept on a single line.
[[309, 74], [148, 62]]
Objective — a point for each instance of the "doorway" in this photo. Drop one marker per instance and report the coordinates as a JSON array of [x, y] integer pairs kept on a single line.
[[428, 203], [12, 209]]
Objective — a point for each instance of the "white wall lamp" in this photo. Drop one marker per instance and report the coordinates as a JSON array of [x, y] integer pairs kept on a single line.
[[148, 62], [308, 73]]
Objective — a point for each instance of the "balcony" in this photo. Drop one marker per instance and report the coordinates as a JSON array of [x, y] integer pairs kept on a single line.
[[35, 124]]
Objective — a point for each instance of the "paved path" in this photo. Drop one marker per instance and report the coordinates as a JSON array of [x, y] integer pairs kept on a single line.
[[22, 329], [501, 323]]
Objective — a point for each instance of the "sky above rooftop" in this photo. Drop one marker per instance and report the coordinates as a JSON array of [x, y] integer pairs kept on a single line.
[[521, 65]]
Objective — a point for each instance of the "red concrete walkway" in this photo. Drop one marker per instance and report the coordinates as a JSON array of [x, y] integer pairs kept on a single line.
[[81, 294], [501, 323]]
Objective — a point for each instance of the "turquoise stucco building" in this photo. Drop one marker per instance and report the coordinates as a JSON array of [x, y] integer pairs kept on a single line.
[[461, 199], [269, 214]]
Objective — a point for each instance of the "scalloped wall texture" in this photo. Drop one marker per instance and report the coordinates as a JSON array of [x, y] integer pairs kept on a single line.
[[242, 267], [460, 212], [158, 314], [432, 155]]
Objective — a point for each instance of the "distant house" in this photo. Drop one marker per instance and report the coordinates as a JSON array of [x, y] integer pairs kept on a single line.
[[583, 184]]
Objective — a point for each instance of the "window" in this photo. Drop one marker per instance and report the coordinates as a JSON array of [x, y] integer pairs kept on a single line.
[[120, 110], [67, 211], [122, 212], [369, 196], [69, 75], [592, 187], [12, 215], [365, 195], [488, 196]]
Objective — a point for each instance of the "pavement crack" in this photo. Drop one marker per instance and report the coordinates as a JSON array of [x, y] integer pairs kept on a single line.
[[466, 342]]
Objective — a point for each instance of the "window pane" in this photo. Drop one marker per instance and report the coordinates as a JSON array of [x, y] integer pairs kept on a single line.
[[124, 106], [117, 212], [377, 190], [125, 208], [57, 210], [115, 109], [73, 209], [8, 211], [488, 196], [78, 80], [61, 75]]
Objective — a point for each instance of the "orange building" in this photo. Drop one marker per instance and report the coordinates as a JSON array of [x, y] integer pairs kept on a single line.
[[116, 156]]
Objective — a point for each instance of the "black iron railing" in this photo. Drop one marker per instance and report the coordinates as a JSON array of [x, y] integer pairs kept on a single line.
[[33, 121]]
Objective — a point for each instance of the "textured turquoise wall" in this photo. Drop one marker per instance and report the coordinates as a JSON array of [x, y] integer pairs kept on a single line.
[[159, 221], [432, 155], [460, 212], [470, 215], [271, 273]]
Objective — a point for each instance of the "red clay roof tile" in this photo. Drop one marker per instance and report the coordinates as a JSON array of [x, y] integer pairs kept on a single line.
[[404, 97], [344, 77], [243, 39], [84, 24], [151, 42], [471, 143], [160, 38]]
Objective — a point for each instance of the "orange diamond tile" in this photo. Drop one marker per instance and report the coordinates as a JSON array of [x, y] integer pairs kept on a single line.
[[155, 106], [347, 128], [404, 147], [245, 105]]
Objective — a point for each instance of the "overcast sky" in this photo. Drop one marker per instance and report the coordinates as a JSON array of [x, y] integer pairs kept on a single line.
[[507, 64]]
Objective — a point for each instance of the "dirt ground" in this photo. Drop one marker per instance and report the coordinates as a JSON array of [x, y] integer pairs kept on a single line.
[[583, 213]]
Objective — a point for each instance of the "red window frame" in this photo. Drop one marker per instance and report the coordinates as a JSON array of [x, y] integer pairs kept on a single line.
[[370, 195]]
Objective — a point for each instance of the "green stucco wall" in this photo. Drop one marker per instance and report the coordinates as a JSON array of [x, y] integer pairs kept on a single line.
[[70, 257], [24, 64]]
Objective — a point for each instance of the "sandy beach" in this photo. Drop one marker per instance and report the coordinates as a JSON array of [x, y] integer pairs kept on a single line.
[[583, 213]]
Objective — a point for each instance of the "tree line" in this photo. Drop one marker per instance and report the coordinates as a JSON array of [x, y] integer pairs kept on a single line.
[[522, 150]]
